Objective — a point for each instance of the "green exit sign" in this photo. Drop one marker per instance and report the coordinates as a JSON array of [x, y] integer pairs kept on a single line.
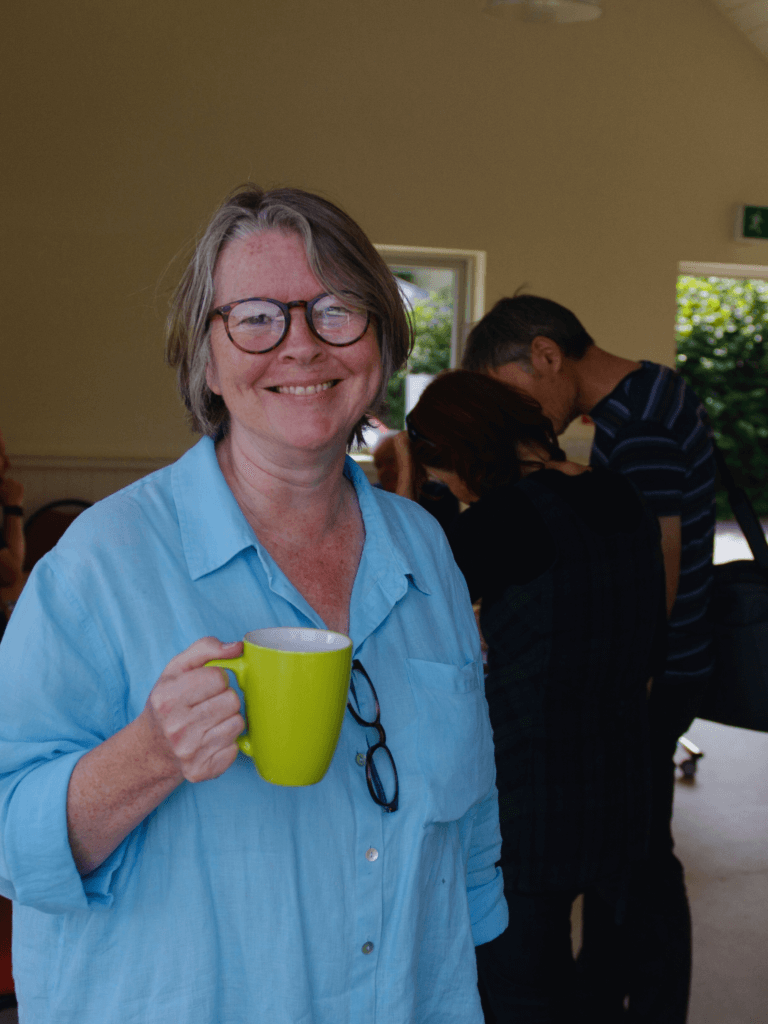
[[753, 222]]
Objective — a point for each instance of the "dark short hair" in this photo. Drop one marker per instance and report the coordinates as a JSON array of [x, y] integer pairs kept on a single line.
[[340, 256], [470, 423], [505, 334]]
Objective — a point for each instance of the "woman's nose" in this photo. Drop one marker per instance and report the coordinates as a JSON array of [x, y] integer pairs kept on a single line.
[[300, 343]]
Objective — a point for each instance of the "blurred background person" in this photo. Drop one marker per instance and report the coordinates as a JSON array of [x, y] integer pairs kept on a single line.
[[432, 495], [651, 427], [567, 563]]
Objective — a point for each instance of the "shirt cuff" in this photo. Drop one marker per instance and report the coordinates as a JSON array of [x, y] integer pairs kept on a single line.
[[38, 857], [488, 910]]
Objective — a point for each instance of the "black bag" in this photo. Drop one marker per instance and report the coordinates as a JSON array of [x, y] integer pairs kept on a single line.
[[738, 693]]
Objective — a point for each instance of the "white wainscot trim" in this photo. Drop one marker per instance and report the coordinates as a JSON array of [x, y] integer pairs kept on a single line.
[[51, 477]]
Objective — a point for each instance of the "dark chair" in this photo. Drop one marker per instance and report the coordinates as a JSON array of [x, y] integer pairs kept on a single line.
[[7, 995], [47, 525]]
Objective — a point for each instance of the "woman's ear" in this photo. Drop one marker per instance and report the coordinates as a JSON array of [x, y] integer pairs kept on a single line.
[[212, 377], [546, 356]]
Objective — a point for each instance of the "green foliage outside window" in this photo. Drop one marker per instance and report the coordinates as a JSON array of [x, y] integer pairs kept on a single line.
[[722, 352], [432, 321]]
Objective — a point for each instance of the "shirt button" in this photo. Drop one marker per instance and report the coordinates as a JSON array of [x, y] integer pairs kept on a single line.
[[367, 948], [360, 759], [372, 854]]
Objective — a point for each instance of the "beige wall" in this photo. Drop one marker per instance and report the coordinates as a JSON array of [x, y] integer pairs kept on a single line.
[[586, 160]]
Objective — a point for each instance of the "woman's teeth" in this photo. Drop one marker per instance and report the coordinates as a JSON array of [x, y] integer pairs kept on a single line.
[[310, 389]]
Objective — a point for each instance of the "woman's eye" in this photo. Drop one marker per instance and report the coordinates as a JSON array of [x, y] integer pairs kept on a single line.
[[331, 305], [257, 320]]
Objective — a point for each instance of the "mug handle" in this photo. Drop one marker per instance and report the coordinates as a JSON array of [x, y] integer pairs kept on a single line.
[[236, 665]]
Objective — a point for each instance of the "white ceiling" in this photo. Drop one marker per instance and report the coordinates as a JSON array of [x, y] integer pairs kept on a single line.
[[751, 16]]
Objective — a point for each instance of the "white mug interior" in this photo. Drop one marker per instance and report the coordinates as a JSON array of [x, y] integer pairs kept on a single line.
[[298, 639]]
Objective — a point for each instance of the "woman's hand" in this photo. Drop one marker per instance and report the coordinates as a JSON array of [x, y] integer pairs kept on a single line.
[[11, 492], [194, 713], [187, 730]]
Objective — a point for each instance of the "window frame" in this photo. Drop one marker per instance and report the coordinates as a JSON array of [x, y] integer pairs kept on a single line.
[[743, 270], [468, 266]]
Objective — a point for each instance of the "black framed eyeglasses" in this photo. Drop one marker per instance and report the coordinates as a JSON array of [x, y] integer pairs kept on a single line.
[[380, 768], [415, 435], [258, 325]]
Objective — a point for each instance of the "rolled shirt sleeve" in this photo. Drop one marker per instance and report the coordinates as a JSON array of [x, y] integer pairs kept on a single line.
[[58, 704], [485, 884]]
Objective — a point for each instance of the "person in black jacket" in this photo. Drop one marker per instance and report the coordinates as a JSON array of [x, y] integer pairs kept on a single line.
[[651, 427], [567, 563]]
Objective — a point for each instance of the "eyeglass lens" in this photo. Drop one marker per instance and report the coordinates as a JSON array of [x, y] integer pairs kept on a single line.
[[258, 324], [383, 776], [381, 772]]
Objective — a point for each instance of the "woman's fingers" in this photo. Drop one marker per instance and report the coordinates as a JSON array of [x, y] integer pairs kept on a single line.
[[185, 677], [187, 689], [216, 752], [195, 713], [205, 649], [193, 727]]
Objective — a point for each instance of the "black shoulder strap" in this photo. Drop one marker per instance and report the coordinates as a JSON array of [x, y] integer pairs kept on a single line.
[[745, 514]]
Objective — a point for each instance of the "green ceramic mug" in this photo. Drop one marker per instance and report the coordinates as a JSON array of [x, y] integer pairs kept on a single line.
[[295, 683]]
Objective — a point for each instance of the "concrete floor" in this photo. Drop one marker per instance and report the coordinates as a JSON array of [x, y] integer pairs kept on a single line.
[[721, 833], [730, 542]]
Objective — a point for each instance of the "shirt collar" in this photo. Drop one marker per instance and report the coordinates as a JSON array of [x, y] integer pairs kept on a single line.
[[386, 544], [214, 529]]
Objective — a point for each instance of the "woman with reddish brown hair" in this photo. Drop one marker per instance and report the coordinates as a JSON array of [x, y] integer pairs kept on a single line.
[[480, 430], [566, 561]]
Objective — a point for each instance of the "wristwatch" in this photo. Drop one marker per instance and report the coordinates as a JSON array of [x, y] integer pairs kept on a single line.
[[13, 510]]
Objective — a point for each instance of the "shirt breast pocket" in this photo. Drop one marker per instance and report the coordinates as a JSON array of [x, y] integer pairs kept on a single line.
[[455, 746]]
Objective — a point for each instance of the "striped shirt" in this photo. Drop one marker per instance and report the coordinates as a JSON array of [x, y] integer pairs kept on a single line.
[[653, 428]]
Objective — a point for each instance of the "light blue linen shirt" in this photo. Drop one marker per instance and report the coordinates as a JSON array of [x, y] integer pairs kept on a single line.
[[236, 900]]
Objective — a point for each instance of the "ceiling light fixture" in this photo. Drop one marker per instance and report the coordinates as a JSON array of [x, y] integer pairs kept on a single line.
[[562, 11]]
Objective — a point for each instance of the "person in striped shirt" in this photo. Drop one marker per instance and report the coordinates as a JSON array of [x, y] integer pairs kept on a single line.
[[651, 427]]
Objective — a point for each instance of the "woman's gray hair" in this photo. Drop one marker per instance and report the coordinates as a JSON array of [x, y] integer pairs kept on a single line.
[[340, 256]]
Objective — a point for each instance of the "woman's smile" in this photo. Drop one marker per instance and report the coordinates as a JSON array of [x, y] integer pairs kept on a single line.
[[302, 389]]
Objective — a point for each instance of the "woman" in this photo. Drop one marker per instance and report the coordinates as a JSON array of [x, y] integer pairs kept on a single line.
[[157, 877], [567, 564]]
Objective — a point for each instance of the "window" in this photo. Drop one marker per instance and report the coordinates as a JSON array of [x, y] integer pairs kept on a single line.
[[445, 291], [722, 351]]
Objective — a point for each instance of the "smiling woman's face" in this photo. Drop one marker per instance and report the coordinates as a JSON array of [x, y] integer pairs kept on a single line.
[[304, 395]]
